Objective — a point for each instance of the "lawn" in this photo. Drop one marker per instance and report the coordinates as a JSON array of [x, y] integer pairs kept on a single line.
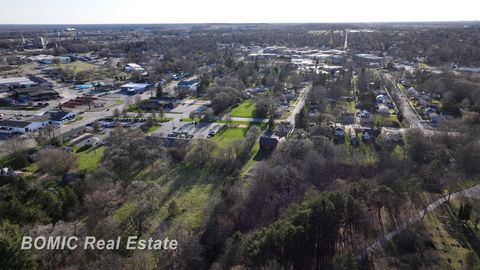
[[192, 189], [89, 160], [124, 211], [348, 106], [228, 135], [152, 129], [78, 66], [245, 109], [387, 121]]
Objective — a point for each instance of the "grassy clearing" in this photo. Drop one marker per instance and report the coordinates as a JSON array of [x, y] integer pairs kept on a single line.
[[152, 129], [228, 135], [192, 189], [387, 121], [90, 160], [348, 106], [124, 211], [78, 66], [245, 109]]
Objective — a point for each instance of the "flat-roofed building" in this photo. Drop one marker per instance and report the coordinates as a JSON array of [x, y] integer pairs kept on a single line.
[[16, 82]]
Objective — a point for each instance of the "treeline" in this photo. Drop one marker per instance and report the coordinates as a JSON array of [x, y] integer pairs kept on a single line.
[[458, 92], [437, 45]]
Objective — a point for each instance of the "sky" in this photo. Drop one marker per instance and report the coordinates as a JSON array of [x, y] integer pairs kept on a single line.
[[230, 11]]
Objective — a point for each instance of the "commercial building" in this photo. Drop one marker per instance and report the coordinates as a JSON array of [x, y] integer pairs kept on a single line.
[[16, 82], [134, 88], [18, 127]]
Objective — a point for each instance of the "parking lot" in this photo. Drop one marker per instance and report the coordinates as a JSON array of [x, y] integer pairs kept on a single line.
[[123, 122], [196, 131]]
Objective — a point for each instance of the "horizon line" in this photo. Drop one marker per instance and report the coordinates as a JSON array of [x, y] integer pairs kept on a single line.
[[240, 23]]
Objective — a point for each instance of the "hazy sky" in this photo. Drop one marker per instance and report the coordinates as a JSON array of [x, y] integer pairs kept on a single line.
[[233, 11]]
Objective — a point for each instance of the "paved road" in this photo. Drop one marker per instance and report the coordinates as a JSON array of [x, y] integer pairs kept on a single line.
[[473, 192], [300, 103], [408, 112], [411, 115]]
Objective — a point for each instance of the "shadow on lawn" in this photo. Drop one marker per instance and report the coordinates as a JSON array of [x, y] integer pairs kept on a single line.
[[262, 154], [461, 231]]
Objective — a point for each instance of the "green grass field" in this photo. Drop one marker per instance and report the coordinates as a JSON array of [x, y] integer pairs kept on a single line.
[[78, 66], [245, 109], [227, 135], [152, 129], [89, 160]]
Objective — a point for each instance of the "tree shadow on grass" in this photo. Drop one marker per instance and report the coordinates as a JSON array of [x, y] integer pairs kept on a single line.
[[462, 232], [184, 177], [262, 154]]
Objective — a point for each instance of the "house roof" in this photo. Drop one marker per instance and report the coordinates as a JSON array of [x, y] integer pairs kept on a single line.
[[40, 118], [268, 138], [135, 85], [37, 91], [13, 123], [58, 116], [186, 82], [16, 81], [271, 141]]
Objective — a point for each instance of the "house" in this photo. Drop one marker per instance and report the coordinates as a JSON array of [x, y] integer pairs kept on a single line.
[[59, 118], [391, 135], [18, 127], [366, 136], [155, 104], [134, 88], [382, 99], [430, 110], [43, 120], [268, 141], [7, 172], [103, 87], [191, 85], [412, 91], [132, 67], [383, 109]]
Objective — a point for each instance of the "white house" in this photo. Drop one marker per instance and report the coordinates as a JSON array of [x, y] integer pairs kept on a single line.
[[18, 127], [382, 99], [132, 67], [191, 85], [59, 118]]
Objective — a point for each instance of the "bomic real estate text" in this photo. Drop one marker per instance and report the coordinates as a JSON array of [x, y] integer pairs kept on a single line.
[[92, 243]]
